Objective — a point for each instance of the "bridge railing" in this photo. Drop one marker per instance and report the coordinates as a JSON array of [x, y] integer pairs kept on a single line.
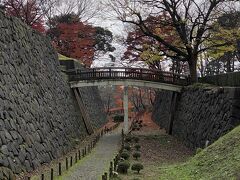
[[128, 73]]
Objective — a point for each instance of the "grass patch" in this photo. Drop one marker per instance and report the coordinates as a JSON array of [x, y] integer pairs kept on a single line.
[[198, 85], [62, 57], [221, 160]]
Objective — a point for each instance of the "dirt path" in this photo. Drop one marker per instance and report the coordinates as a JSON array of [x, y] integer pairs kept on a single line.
[[97, 162]]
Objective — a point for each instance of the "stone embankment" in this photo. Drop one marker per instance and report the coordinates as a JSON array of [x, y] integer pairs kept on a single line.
[[39, 117], [201, 115]]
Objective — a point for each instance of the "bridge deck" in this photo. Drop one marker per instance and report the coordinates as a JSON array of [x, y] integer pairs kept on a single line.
[[126, 82], [119, 74]]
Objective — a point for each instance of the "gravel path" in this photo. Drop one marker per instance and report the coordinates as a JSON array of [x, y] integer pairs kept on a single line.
[[97, 162]]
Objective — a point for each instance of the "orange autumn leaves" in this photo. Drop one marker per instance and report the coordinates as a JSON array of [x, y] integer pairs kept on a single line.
[[76, 40]]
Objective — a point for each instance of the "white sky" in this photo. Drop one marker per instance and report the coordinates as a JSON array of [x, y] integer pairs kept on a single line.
[[119, 33], [105, 20], [118, 29]]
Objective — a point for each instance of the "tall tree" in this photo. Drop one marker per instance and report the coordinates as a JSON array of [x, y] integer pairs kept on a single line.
[[103, 39], [78, 40], [191, 19], [144, 48], [31, 12], [223, 59], [73, 38]]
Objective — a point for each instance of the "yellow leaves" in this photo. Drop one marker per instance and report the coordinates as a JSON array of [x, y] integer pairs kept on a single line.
[[224, 40], [150, 57], [146, 47], [157, 31], [227, 35], [189, 45]]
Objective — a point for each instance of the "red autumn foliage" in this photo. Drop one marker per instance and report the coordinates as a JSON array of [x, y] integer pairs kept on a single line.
[[38, 26], [28, 11], [76, 40], [137, 41]]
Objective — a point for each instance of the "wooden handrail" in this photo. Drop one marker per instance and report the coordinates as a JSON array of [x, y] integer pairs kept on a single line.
[[121, 68], [128, 73]]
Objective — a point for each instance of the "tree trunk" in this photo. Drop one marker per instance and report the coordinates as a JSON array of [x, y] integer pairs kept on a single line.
[[152, 93], [228, 65], [108, 104], [193, 70]]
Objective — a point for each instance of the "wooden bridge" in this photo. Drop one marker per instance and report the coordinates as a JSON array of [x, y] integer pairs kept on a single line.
[[118, 73], [126, 77]]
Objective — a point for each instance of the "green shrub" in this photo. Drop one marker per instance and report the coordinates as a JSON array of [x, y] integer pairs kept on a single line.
[[135, 126], [123, 151], [126, 151], [128, 139], [137, 147], [125, 155], [123, 167], [136, 155], [198, 150], [136, 139], [137, 167], [118, 118], [127, 147]]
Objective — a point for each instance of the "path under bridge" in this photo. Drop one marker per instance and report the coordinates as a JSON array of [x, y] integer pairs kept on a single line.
[[111, 76]]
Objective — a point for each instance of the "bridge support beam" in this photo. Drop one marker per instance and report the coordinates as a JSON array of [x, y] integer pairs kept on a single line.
[[85, 115], [125, 106], [172, 111]]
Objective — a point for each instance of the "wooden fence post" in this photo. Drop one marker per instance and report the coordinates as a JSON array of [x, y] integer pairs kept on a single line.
[[103, 177], [111, 169], [114, 164], [71, 161], [172, 113], [59, 169], [51, 174], [110, 172], [76, 158], [66, 163], [83, 152], [122, 137], [79, 154], [111, 164]]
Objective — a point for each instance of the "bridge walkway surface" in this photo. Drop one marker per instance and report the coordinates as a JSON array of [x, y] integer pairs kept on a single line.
[[98, 161], [86, 77]]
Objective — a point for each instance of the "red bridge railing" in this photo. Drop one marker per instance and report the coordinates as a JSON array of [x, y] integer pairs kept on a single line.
[[128, 73]]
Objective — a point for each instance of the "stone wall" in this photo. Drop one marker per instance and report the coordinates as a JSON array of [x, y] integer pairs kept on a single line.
[[39, 116], [94, 106], [162, 108], [229, 79], [201, 114], [90, 96]]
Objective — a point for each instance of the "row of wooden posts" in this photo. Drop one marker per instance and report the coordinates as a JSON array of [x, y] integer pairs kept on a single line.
[[73, 159], [113, 164]]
